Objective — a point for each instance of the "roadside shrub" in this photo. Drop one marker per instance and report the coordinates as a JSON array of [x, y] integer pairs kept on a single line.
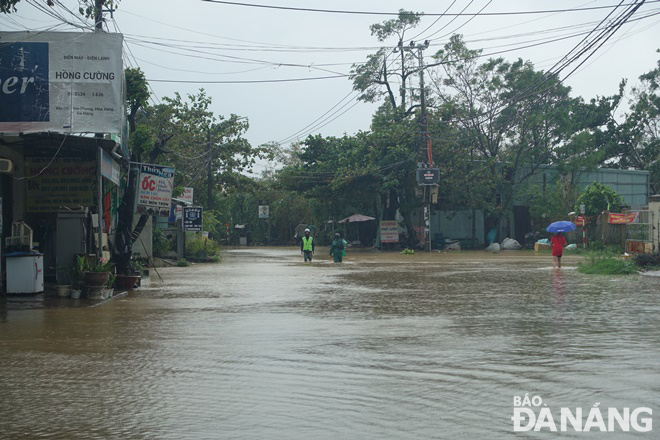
[[408, 252], [160, 242], [182, 262], [200, 247], [647, 260], [599, 264]]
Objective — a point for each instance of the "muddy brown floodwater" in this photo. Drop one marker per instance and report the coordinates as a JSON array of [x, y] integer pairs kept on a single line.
[[384, 346]]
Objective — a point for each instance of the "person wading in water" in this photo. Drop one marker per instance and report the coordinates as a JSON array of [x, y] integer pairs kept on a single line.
[[558, 242], [307, 246], [337, 248]]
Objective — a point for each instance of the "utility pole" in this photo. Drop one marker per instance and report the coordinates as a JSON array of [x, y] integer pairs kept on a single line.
[[424, 140], [98, 20], [209, 179], [98, 14], [423, 130]]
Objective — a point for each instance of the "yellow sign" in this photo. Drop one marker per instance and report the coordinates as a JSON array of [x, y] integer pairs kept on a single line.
[[67, 181]]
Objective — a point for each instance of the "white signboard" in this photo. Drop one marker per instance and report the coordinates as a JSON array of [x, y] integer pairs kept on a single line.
[[264, 211], [109, 167], [187, 196], [155, 187], [61, 81], [192, 218], [389, 231]]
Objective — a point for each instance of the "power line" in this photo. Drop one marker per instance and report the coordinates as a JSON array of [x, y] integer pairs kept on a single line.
[[203, 73], [517, 46], [436, 20], [293, 136], [232, 59], [152, 96], [464, 24], [254, 47], [256, 81], [311, 127], [466, 14]]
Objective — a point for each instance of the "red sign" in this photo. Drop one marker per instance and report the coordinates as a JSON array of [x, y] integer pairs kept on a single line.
[[580, 220], [622, 219]]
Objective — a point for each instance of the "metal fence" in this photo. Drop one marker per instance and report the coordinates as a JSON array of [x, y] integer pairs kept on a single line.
[[636, 237], [639, 234]]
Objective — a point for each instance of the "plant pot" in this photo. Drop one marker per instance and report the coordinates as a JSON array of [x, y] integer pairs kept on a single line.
[[63, 290], [96, 279], [75, 293], [107, 293], [95, 292], [126, 281]]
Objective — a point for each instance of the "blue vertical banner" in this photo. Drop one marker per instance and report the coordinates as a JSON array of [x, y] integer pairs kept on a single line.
[[24, 82]]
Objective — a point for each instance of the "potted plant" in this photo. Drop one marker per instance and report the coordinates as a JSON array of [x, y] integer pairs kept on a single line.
[[107, 293], [98, 273], [129, 281], [97, 277], [63, 288], [136, 266], [78, 275]]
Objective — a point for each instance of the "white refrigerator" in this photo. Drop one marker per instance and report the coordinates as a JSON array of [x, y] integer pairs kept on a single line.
[[25, 273]]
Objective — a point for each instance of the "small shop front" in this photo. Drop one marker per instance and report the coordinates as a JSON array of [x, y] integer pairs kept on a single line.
[[53, 195]]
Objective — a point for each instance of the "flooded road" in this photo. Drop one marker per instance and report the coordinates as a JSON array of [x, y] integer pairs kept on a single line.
[[384, 346]]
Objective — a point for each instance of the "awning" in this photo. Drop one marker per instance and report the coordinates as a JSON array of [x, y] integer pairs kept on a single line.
[[356, 218]]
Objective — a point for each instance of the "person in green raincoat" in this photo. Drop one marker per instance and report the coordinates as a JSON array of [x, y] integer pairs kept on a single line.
[[337, 248]]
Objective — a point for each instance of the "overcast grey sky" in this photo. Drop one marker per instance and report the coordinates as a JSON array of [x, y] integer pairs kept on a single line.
[[194, 40]]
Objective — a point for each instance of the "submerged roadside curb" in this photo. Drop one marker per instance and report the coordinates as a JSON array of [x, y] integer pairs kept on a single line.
[[47, 301]]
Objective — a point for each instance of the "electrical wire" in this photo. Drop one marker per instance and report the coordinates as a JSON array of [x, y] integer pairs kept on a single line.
[[467, 14], [590, 46], [203, 73], [322, 123], [464, 24], [229, 58], [294, 136], [516, 46], [436, 20], [152, 95], [256, 81], [49, 163]]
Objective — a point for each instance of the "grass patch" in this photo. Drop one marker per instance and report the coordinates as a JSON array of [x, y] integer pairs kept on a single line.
[[604, 251], [600, 263]]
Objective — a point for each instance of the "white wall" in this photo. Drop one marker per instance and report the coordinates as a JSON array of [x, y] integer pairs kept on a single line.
[[144, 244]]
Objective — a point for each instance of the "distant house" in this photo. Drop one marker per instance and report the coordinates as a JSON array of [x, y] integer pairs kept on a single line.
[[459, 223]]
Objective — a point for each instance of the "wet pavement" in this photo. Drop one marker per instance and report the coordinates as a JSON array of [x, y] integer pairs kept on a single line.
[[383, 346]]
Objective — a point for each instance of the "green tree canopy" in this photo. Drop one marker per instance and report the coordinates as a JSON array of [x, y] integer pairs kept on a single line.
[[636, 141], [597, 198]]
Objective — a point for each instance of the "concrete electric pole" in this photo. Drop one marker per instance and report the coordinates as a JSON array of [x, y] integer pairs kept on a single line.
[[417, 50]]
